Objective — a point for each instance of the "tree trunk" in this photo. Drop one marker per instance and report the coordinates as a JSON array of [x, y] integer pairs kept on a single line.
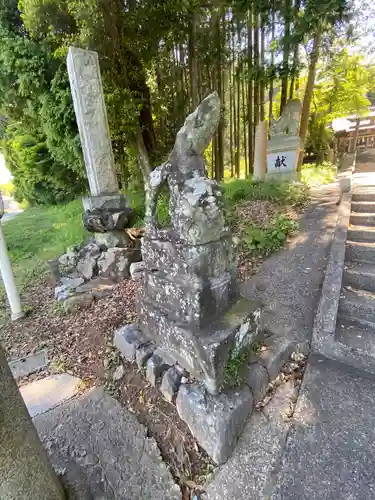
[[262, 82], [244, 112], [250, 131], [295, 75], [308, 93], [270, 94], [286, 51], [25, 471], [219, 168], [193, 66], [256, 66]]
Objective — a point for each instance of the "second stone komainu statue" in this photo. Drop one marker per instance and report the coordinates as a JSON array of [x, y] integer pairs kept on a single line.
[[190, 305]]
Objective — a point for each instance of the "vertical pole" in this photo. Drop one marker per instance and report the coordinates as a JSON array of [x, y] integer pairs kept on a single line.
[[8, 279]]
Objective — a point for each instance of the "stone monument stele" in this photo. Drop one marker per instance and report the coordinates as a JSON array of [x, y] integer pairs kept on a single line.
[[107, 212], [190, 307], [285, 144]]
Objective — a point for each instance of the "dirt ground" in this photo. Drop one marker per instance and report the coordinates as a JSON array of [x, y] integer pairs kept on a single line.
[[81, 344]]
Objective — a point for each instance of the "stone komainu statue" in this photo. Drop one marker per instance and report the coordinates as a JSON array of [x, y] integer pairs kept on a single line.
[[288, 122]]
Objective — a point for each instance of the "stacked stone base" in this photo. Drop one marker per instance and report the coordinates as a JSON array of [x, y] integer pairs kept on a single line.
[[205, 351], [215, 420]]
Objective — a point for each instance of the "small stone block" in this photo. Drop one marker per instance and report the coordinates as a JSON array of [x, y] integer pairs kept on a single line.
[[277, 353], [155, 367], [170, 383], [29, 364], [258, 381], [137, 270], [215, 421], [127, 340], [43, 395], [143, 354]]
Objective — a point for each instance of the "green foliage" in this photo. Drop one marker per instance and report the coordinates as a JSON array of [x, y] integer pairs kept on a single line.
[[270, 238], [7, 189], [236, 368]]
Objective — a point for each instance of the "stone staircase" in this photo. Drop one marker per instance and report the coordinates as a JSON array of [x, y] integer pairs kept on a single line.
[[355, 326]]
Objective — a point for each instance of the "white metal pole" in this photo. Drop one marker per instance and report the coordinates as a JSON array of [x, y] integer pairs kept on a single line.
[[8, 279]]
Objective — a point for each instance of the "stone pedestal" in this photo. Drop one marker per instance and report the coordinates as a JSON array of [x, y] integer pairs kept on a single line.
[[25, 472], [282, 157], [191, 308], [260, 153]]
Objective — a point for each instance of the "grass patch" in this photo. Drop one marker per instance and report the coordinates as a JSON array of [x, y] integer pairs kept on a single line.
[[235, 372], [245, 189], [315, 175], [42, 233], [269, 238]]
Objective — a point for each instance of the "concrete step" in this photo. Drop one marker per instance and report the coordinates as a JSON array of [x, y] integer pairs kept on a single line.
[[360, 251], [362, 219], [357, 304], [356, 333], [362, 233], [363, 195], [363, 206], [360, 275]]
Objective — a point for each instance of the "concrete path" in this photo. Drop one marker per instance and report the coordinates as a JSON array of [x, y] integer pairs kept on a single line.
[[288, 283], [102, 452], [10, 215], [324, 449], [330, 451]]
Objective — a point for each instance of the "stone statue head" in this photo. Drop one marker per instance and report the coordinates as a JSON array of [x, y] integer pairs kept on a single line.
[[199, 127]]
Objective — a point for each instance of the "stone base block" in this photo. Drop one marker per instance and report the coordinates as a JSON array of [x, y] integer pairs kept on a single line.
[[112, 239], [111, 202], [215, 421], [211, 259], [190, 300], [203, 352]]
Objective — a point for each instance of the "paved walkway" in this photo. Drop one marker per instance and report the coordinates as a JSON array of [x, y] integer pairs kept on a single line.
[[326, 451]]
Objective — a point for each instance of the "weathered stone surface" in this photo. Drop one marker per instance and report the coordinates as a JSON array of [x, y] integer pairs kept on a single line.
[[71, 282], [170, 383], [287, 124], [62, 292], [104, 452], [203, 353], [88, 100], [249, 472], [87, 267], [112, 202], [137, 270], [78, 302], [277, 353], [29, 364], [143, 353], [25, 472], [98, 287], [114, 264], [155, 367], [68, 259], [128, 339], [101, 220], [215, 421], [118, 373], [112, 239], [90, 249], [258, 381], [44, 394]]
